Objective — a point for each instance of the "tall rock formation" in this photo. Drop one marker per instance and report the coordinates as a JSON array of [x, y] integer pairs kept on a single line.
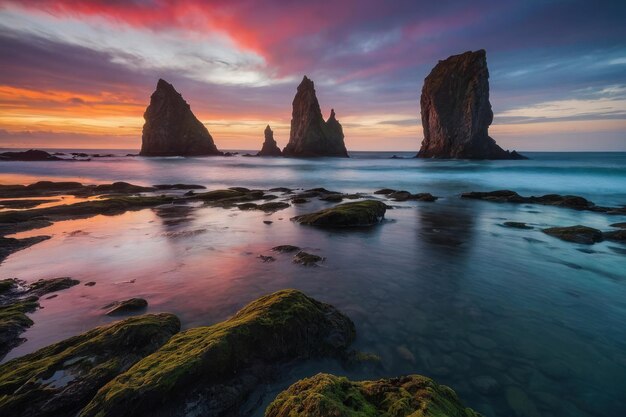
[[171, 129], [310, 134], [269, 146], [456, 112]]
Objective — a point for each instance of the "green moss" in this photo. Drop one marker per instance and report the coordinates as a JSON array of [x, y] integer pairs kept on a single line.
[[275, 328], [7, 285], [61, 378], [328, 395], [359, 213]]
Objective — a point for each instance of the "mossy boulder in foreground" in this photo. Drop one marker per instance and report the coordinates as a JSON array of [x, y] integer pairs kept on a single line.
[[358, 213], [211, 370], [60, 379], [328, 395]]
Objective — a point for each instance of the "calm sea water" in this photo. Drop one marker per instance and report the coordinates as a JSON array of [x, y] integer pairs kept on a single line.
[[518, 323]]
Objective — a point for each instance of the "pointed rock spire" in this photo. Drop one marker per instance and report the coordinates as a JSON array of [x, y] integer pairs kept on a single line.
[[171, 129], [310, 135], [269, 146]]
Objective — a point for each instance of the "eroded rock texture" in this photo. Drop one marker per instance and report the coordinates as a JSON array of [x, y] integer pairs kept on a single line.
[[171, 129], [456, 112], [310, 135], [269, 146]]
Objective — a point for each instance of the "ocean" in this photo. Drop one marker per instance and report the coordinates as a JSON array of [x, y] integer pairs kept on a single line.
[[518, 323]]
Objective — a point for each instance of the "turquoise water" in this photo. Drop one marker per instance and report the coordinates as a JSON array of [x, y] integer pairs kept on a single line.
[[517, 322]]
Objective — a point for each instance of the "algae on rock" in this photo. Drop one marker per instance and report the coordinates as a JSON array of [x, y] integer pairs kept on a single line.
[[211, 370], [329, 395], [61, 378]]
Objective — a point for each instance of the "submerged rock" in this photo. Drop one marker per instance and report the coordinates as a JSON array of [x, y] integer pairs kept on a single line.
[[517, 225], [576, 234], [310, 135], [285, 248], [211, 370], [328, 395], [171, 129], [126, 306], [568, 201], [359, 213], [456, 112], [269, 146], [30, 155], [307, 259], [60, 379]]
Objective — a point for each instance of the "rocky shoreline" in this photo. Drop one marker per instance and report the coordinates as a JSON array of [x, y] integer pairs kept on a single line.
[[144, 365]]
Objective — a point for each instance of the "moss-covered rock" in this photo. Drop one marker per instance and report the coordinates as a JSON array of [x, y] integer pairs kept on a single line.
[[60, 379], [18, 298], [285, 248], [211, 370], [328, 395], [576, 234], [358, 213], [14, 321]]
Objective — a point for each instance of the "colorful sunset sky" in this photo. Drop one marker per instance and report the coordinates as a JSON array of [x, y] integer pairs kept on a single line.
[[79, 74]]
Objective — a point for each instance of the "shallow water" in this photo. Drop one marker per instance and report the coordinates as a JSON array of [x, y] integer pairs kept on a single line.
[[517, 322]]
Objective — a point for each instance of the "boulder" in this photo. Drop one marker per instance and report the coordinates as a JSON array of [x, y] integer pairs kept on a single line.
[[329, 395], [359, 213], [60, 379], [126, 306], [171, 129], [576, 234], [310, 135], [456, 112], [211, 370], [269, 146]]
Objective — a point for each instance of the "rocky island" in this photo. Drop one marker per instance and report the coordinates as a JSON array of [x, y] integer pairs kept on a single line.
[[456, 112], [310, 135], [269, 146], [171, 128]]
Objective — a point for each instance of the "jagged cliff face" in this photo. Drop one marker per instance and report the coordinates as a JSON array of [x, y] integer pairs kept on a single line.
[[310, 134], [171, 129], [269, 146], [456, 112]]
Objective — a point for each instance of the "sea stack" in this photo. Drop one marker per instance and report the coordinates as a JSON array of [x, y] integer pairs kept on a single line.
[[310, 135], [171, 129], [269, 146], [456, 112]]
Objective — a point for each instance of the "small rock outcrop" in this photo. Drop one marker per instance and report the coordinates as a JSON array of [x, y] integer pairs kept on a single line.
[[171, 129], [456, 112], [269, 146], [330, 395], [354, 214], [30, 155], [310, 135]]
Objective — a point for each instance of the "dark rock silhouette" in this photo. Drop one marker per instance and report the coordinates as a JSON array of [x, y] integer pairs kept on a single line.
[[269, 146], [310, 135], [171, 129], [456, 112], [30, 155]]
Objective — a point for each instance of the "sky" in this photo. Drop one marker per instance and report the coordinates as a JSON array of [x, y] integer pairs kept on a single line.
[[79, 74]]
